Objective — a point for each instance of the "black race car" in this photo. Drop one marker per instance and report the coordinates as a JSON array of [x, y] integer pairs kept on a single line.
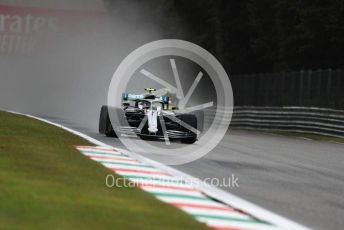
[[151, 117]]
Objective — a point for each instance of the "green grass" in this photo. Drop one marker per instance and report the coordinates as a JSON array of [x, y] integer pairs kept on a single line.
[[45, 183]]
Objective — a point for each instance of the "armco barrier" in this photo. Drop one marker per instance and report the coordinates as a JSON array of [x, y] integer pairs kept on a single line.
[[313, 120]]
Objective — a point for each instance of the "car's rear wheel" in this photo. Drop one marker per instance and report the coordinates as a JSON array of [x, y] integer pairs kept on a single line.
[[191, 120]]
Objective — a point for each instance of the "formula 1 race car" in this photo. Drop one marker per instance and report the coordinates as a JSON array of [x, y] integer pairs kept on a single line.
[[151, 117]]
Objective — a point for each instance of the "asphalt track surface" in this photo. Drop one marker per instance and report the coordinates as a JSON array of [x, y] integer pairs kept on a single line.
[[302, 180]]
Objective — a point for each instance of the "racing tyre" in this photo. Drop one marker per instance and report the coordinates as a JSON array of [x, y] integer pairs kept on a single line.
[[191, 120], [105, 126], [145, 138]]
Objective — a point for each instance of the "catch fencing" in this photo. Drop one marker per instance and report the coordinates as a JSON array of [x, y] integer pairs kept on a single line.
[[320, 88]]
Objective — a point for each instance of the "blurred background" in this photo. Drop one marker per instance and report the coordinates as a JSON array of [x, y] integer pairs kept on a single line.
[[57, 57], [277, 52]]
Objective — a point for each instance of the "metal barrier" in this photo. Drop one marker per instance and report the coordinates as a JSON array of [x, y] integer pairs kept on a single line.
[[313, 120]]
